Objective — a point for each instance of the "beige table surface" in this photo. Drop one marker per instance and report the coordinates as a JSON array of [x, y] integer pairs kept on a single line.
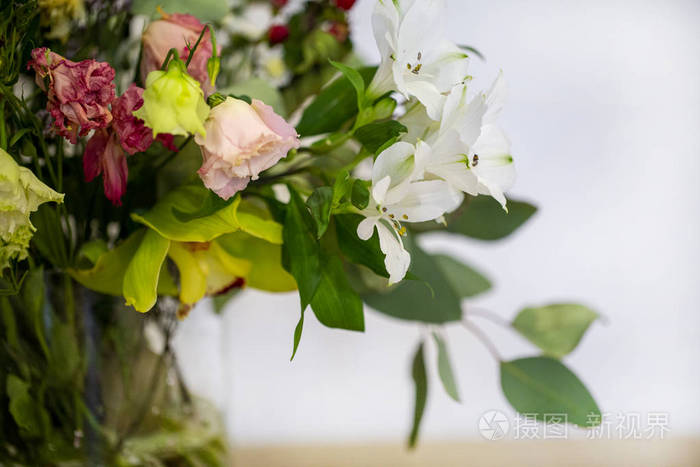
[[656, 453]]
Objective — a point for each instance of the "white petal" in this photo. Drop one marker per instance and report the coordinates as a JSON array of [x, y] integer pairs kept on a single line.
[[396, 161], [425, 201], [365, 229], [495, 99], [396, 259], [427, 93], [422, 27], [447, 65], [380, 188]]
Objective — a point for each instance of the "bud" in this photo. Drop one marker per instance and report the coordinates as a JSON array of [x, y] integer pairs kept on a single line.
[[173, 102], [344, 4], [277, 34]]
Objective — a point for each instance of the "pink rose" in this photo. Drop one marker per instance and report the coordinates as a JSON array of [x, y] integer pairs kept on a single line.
[[104, 155], [79, 94], [241, 141], [177, 31]]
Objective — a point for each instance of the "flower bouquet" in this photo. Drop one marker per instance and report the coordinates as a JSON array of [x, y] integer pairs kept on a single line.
[[152, 156]]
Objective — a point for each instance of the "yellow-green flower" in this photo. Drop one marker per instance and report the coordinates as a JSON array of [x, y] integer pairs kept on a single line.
[[21, 193], [173, 102]]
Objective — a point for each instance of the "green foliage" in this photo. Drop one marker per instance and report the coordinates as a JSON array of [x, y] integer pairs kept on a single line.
[[445, 368], [140, 286], [300, 251], [556, 329], [485, 219], [420, 381], [430, 299], [542, 386], [463, 279], [374, 136], [366, 253], [357, 82], [25, 410], [334, 106], [335, 303], [320, 203]]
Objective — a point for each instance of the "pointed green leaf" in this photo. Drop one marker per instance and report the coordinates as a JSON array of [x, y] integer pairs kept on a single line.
[[465, 281], [320, 203], [334, 106], [445, 368], [366, 253], [141, 277], [430, 299], [26, 412], [300, 252], [335, 303], [420, 381], [297, 335], [360, 194], [356, 80], [375, 135], [543, 386], [484, 218], [556, 329]]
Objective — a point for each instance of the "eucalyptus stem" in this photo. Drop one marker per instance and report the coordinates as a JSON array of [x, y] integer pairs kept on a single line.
[[479, 334]]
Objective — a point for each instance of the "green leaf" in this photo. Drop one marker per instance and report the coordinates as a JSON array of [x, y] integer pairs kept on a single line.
[[543, 386], [465, 281], [65, 354], [556, 329], [420, 381], [360, 194], [204, 10], [375, 135], [297, 335], [341, 187], [429, 300], [445, 368], [366, 253], [24, 409], [192, 213], [300, 252], [140, 285], [335, 303], [266, 272], [335, 105], [485, 219], [356, 80], [320, 203]]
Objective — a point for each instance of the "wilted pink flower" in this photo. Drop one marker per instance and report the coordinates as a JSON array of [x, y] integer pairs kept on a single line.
[[178, 31], [133, 134], [79, 93], [241, 141], [103, 155]]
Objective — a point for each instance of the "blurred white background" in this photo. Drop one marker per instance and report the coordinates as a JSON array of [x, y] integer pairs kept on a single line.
[[604, 116]]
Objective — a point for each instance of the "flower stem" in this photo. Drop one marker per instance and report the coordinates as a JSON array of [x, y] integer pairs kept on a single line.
[[479, 334]]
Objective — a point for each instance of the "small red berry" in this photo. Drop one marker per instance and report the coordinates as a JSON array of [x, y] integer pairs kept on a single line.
[[279, 3], [339, 30], [278, 33], [344, 4]]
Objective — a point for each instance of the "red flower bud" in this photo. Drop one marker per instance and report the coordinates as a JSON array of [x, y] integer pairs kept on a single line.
[[278, 33], [278, 3], [344, 4]]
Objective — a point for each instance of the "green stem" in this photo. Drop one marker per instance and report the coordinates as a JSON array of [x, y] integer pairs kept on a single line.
[[3, 129], [196, 44]]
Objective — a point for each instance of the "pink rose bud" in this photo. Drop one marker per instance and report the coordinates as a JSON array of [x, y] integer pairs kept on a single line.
[[278, 33], [79, 94], [103, 155], [344, 4], [241, 141], [178, 31]]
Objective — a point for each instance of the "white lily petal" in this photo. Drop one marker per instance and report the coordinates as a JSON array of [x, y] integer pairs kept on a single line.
[[396, 258], [380, 188], [365, 228], [396, 162], [425, 201], [428, 95], [495, 99]]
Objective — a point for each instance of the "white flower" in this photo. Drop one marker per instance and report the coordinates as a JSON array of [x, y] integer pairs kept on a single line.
[[469, 150], [417, 60], [399, 196], [253, 22], [270, 65]]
